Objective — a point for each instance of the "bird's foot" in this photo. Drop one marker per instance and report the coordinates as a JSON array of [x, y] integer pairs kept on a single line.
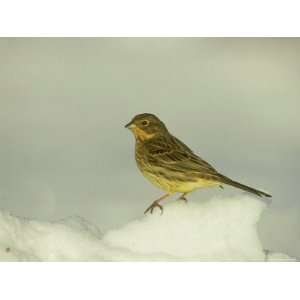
[[152, 206], [183, 198]]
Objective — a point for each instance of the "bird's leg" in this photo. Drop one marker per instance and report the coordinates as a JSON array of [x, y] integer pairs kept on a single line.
[[156, 204], [182, 197]]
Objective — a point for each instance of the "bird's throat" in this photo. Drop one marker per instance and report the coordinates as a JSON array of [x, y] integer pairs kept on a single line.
[[141, 135]]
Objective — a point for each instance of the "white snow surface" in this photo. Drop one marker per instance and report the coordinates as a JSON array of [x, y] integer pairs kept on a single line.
[[219, 229]]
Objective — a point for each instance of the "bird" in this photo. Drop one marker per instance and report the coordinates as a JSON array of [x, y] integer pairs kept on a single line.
[[171, 165]]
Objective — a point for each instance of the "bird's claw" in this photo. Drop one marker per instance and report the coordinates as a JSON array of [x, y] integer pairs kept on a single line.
[[183, 199], [152, 206]]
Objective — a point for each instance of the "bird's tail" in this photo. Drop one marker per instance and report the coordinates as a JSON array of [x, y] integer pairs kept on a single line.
[[238, 185]]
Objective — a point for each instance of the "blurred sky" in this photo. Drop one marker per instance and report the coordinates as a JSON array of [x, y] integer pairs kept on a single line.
[[64, 103]]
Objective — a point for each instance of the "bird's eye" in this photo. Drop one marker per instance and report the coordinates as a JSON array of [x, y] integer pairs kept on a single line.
[[145, 123]]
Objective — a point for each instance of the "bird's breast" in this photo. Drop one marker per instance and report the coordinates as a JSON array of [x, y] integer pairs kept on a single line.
[[170, 181]]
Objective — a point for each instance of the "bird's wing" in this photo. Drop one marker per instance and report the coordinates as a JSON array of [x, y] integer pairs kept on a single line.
[[173, 154]]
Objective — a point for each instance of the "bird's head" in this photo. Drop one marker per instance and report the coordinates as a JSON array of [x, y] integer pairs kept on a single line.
[[146, 126]]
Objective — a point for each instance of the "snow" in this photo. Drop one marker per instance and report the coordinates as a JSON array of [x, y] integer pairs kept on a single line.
[[273, 256], [219, 229]]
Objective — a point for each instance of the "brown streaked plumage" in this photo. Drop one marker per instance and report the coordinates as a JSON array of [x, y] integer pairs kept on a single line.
[[170, 165]]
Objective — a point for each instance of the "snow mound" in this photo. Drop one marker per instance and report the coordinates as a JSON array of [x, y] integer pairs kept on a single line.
[[273, 256], [220, 229]]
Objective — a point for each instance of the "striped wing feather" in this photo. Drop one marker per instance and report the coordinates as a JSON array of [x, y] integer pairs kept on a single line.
[[171, 153]]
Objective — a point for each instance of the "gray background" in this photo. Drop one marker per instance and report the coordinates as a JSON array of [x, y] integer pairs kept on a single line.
[[64, 102]]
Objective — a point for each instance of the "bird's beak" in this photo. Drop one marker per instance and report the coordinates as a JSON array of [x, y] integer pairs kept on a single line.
[[130, 125]]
